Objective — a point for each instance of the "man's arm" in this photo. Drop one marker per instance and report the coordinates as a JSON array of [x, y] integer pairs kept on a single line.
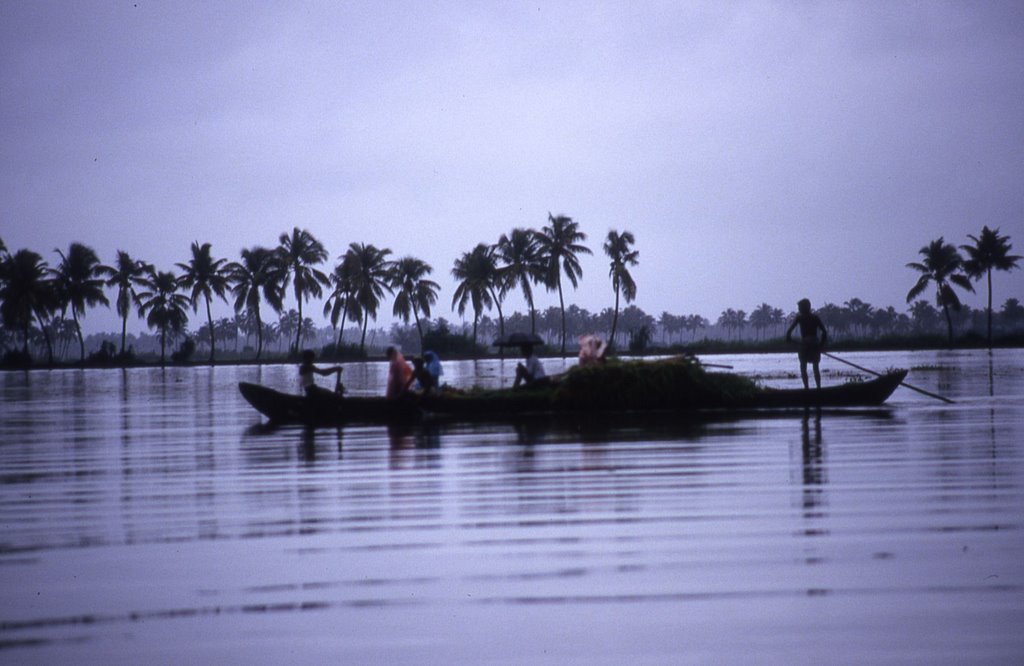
[[789, 331]]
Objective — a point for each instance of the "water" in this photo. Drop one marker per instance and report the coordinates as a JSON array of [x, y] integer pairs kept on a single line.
[[147, 518]]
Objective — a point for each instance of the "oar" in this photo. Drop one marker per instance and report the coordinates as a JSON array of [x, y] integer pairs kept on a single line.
[[878, 374]]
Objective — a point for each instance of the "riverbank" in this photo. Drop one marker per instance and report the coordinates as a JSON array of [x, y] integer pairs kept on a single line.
[[704, 347]]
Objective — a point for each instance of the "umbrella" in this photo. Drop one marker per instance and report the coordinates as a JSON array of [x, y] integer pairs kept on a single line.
[[519, 340]]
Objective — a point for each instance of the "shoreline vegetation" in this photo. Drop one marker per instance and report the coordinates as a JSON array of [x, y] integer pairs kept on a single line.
[[705, 347], [42, 306]]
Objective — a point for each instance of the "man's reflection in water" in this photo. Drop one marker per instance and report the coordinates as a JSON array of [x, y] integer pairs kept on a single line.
[[307, 448], [813, 464]]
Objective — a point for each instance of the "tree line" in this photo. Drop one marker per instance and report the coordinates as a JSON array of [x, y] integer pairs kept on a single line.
[[38, 301]]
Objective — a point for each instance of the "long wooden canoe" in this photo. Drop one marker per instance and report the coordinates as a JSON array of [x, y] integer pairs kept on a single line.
[[510, 405]]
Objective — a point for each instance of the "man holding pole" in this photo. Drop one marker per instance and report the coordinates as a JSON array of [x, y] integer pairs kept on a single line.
[[810, 344]]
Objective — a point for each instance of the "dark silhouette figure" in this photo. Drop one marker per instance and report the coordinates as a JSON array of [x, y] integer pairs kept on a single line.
[[530, 372], [810, 344], [307, 372], [421, 378]]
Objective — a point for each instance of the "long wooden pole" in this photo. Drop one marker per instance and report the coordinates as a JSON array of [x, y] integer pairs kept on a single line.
[[878, 374]]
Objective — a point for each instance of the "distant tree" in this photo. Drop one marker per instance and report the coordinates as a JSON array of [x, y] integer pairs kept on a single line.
[[78, 281], [341, 304], [371, 271], [617, 247], [761, 319], [733, 320], [253, 279], [924, 317], [126, 274], [520, 265], [667, 324], [164, 308], [289, 324], [694, 323], [1012, 313], [206, 277], [415, 293], [300, 252], [475, 272], [989, 252], [859, 314], [559, 244], [941, 264]]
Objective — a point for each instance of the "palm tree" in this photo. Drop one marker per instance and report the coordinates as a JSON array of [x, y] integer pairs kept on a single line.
[[253, 279], [941, 264], [475, 271], [559, 243], [415, 292], [520, 266], [616, 246], [300, 252], [989, 252], [206, 277], [371, 275], [125, 274], [79, 284], [163, 307], [26, 294], [341, 304]]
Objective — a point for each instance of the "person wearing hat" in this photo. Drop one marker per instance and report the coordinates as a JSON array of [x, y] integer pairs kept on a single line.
[[810, 344]]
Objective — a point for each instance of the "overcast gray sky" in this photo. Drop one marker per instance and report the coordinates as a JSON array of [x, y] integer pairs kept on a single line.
[[758, 151]]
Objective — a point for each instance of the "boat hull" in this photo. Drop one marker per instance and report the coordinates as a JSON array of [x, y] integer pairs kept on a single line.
[[324, 408]]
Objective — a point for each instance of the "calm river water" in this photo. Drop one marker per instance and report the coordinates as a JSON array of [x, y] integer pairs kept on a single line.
[[147, 518]]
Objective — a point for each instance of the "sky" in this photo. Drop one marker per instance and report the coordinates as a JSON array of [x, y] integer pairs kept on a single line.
[[758, 151]]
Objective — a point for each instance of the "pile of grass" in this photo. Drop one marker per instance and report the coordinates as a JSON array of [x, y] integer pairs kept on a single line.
[[677, 383]]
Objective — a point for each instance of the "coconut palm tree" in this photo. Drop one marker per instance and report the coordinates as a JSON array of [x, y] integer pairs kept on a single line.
[[253, 279], [299, 254], [520, 265], [371, 278], [559, 243], [617, 247], [341, 304], [126, 274], [26, 295], [416, 294], [476, 272], [989, 252], [79, 284], [206, 277], [941, 264], [164, 308]]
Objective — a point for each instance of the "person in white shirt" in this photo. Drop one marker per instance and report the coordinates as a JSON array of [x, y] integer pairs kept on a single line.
[[308, 372], [530, 372]]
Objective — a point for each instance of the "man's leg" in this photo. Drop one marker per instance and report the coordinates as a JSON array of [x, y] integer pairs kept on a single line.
[[817, 376], [803, 372]]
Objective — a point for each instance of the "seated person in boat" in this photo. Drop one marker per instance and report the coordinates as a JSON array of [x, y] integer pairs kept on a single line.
[[530, 372], [308, 372], [433, 366], [592, 349], [400, 375], [810, 344], [426, 371]]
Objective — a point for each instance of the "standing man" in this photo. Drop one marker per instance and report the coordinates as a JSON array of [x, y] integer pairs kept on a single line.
[[810, 344]]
